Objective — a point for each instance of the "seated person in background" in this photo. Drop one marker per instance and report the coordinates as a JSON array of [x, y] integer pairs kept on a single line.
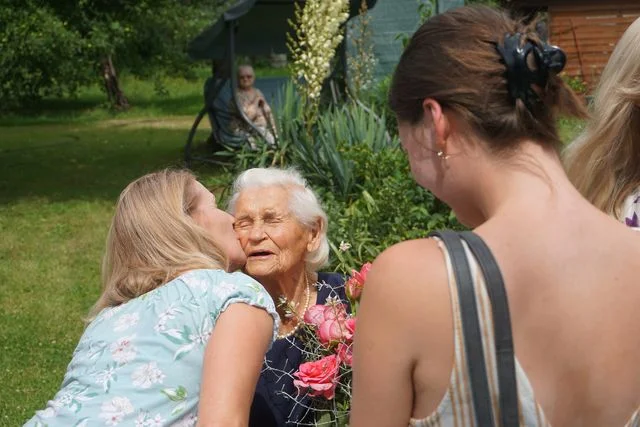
[[162, 344], [604, 162], [254, 106], [283, 231]]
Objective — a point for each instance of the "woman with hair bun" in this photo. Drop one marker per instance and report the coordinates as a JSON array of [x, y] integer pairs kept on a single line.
[[530, 320]]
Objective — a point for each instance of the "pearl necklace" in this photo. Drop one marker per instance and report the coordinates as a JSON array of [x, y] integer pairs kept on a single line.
[[299, 322]]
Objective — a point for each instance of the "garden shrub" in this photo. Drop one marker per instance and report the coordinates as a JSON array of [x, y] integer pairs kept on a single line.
[[389, 207], [378, 98]]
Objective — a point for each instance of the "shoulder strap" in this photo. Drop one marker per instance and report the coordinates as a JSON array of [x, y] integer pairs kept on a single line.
[[505, 359], [470, 327]]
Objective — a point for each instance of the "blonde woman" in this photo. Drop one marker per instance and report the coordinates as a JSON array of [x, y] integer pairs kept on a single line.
[[604, 162], [163, 336]]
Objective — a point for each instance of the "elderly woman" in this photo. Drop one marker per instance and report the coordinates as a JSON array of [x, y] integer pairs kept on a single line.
[[283, 231], [255, 107], [162, 347]]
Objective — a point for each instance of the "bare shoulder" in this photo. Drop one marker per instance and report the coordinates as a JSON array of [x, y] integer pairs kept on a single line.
[[414, 265], [412, 274], [407, 288]]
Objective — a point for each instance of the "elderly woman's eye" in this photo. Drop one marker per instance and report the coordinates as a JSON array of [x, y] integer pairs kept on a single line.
[[241, 225]]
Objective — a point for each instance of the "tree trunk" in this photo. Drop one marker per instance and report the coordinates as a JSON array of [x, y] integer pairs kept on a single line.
[[116, 97]]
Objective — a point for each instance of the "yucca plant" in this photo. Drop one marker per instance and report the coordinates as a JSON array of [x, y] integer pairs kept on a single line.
[[337, 130], [354, 123], [317, 31]]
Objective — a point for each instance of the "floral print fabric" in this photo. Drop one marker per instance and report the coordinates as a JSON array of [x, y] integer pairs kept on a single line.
[[631, 210], [139, 364]]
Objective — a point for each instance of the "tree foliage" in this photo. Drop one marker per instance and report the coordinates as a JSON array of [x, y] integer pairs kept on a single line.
[[51, 47], [32, 43]]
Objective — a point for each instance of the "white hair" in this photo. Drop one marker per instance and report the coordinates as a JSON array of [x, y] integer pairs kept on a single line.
[[303, 204]]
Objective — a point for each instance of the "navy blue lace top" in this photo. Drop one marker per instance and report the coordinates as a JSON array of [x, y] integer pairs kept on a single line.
[[273, 405]]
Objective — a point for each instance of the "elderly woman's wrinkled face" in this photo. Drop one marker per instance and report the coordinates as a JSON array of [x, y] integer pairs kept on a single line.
[[274, 241], [246, 77]]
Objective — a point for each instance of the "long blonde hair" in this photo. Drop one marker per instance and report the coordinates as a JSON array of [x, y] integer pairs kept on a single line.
[[604, 162], [152, 238]]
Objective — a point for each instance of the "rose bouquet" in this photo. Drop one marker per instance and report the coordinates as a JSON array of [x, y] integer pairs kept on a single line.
[[327, 337]]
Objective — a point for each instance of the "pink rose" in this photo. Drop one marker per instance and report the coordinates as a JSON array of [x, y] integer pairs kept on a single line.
[[331, 330], [355, 284], [314, 314], [345, 353], [349, 328], [335, 312], [329, 321], [318, 377]]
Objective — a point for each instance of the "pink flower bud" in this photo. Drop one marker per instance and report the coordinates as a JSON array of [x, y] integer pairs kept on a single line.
[[349, 328], [355, 284], [353, 288], [345, 353]]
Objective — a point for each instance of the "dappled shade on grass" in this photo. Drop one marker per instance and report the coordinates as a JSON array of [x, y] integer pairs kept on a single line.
[[62, 162], [170, 96]]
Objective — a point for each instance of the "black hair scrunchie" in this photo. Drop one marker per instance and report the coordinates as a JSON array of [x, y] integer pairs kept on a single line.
[[520, 77]]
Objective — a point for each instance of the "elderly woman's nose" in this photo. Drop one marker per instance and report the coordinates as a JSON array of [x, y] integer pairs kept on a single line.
[[256, 232]]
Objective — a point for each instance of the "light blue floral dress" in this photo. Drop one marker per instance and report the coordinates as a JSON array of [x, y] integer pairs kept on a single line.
[[139, 364]]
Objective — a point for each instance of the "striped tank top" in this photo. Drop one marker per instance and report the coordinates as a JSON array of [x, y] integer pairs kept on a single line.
[[456, 407]]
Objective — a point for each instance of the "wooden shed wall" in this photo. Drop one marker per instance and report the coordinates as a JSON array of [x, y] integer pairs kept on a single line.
[[588, 33]]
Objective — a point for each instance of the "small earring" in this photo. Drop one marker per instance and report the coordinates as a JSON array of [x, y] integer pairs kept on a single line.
[[442, 155]]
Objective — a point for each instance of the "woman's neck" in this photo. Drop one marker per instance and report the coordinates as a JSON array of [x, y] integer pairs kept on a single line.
[[531, 180], [290, 285]]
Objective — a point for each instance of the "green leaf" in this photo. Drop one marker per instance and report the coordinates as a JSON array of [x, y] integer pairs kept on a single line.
[[183, 351], [83, 422], [325, 419], [175, 394], [179, 408], [182, 392]]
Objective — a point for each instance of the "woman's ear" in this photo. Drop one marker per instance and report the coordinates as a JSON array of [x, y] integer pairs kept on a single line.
[[433, 114], [315, 234]]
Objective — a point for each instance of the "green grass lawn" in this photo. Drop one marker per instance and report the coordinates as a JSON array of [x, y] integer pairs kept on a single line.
[[182, 98]]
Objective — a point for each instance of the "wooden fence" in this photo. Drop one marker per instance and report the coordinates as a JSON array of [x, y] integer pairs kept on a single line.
[[588, 34]]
